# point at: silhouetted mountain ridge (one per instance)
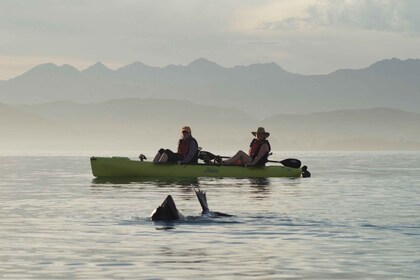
(97, 70)
(50, 69)
(203, 64)
(259, 89)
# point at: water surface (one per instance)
(357, 217)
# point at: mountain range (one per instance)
(139, 107)
(261, 90)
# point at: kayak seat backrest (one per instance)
(206, 156)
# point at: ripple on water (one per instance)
(354, 219)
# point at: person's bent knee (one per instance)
(161, 151)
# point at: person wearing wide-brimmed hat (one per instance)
(187, 150)
(258, 152)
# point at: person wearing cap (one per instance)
(258, 152)
(187, 150)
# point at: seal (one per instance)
(167, 211)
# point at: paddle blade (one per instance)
(291, 162)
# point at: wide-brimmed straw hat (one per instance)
(261, 130)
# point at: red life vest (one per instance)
(254, 149)
(184, 146)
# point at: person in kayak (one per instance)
(258, 152)
(187, 150)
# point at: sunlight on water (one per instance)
(357, 217)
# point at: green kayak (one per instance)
(125, 167)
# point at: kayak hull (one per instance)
(124, 167)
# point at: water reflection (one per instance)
(259, 182)
(165, 228)
(165, 181)
(258, 188)
(158, 181)
(198, 219)
(183, 184)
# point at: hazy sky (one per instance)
(302, 36)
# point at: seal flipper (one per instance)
(220, 214)
(201, 195)
(202, 199)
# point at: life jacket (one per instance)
(184, 148)
(254, 149)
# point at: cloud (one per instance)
(400, 16)
(154, 32)
(158, 33)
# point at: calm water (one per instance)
(357, 217)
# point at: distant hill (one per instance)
(149, 124)
(261, 90)
(28, 131)
(10, 118)
(350, 129)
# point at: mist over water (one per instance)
(357, 217)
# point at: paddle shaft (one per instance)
(276, 161)
(268, 161)
(290, 162)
